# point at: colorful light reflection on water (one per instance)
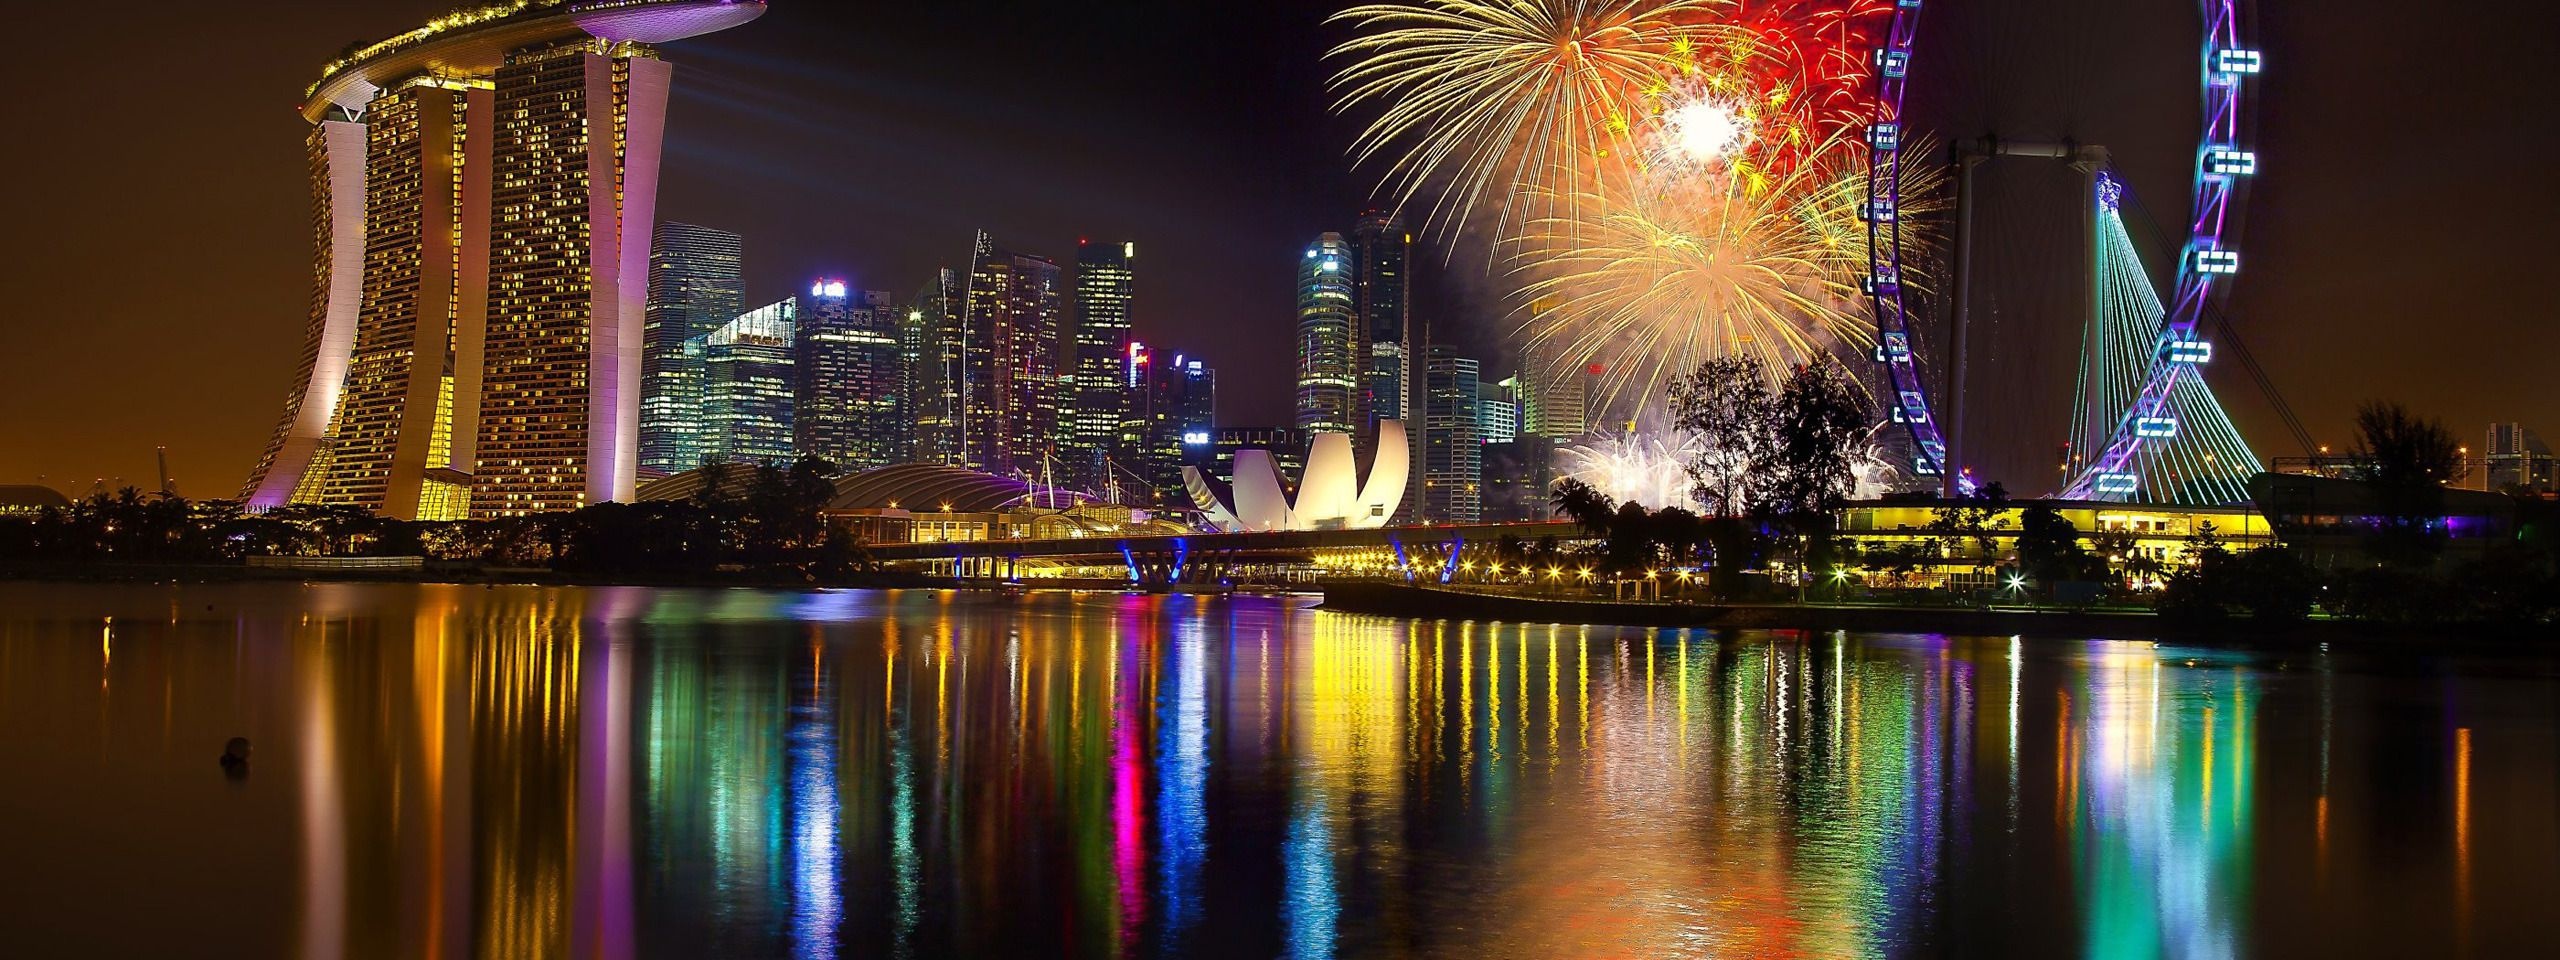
(449, 771)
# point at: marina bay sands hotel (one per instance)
(483, 195)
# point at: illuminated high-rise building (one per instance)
(931, 347)
(395, 416)
(1497, 410)
(1453, 454)
(484, 189)
(1389, 339)
(1329, 372)
(1011, 390)
(696, 283)
(849, 378)
(1128, 477)
(1288, 447)
(1104, 284)
(750, 386)
(1518, 476)
(1555, 397)
(2517, 460)
(1180, 411)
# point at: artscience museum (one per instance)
(1331, 494)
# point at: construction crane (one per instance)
(168, 487)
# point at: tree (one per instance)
(2271, 583)
(1726, 404)
(2049, 548)
(1901, 560)
(1631, 539)
(2405, 460)
(1583, 504)
(1682, 534)
(2205, 545)
(2276, 585)
(1821, 427)
(1821, 424)
(1972, 518)
(1769, 463)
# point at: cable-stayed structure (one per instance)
(2169, 440)
(2145, 425)
(2191, 453)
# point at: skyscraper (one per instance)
(1518, 475)
(1389, 340)
(1010, 394)
(2516, 459)
(1288, 446)
(1497, 411)
(933, 352)
(1129, 477)
(749, 386)
(1329, 374)
(1453, 456)
(848, 390)
(481, 257)
(1554, 397)
(696, 283)
(1181, 407)
(398, 381)
(1104, 285)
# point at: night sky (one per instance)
(158, 259)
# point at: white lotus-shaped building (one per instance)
(1331, 496)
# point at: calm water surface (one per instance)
(455, 771)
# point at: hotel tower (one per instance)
(483, 193)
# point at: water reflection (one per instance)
(448, 771)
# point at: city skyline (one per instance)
(199, 390)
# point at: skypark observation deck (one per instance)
(474, 42)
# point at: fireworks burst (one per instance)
(1505, 100)
(1664, 280)
(1650, 467)
(1662, 181)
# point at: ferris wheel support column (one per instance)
(1966, 155)
(2091, 164)
(1961, 317)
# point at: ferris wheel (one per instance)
(1883, 282)
(2153, 428)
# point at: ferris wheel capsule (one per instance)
(1885, 137)
(1893, 63)
(2227, 162)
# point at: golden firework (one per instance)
(1513, 100)
(1650, 279)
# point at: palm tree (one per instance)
(1584, 505)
